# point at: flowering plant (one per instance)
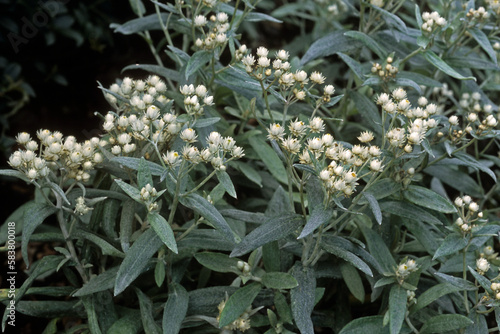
(346, 184)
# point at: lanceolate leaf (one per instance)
(318, 217)
(226, 182)
(428, 199)
(371, 325)
(353, 281)
(368, 42)
(269, 157)
(451, 244)
(197, 60)
(407, 210)
(483, 41)
(147, 316)
(274, 228)
(328, 45)
(175, 309)
(435, 60)
(207, 210)
(445, 323)
(432, 294)
(278, 280)
(34, 215)
(302, 298)
(397, 308)
(218, 262)
(238, 303)
(144, 174)
(163, 230)
(137, 259)
(374, 206)
(346, 256)
(368, 110)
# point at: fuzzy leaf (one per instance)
(397, 308)
(428, 199)
(370, 324)
(303, 297)
(238, 303)
(318, 217)
(269, 157)
(218, 262)
(279, 281)
(175, 309)
(226, 182)
(484, 42)
(163, 230)
(445, 323)
(435, 60)
(450, 245)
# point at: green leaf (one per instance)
(127, 219)
(485, 283)
(197, 60)
(407, 210)
(269, 157)
(129, 323)
(368, 42)
(332, 248)
(238, 303)
(138, 7)
(274, 228)
(282, 307)
(397, 308)
(455, 178)
(271, 256)
(372, 201)
(484, 42)
(15, 173)
(471, 62)
(428, 199)
(132, 191)
(472, 162)
(249, 172)
(163, 230)
(226, 182)
(329, 45)
(156, 69)
(353, 281)
(204, 208)
(240, 82)
(134, 164)
(101, 282)
(432, 294)
(34, 215)
(368, 110)
(445, 323)
(408, 83)
(435, 60)
(460, 283)
(89, 304)
(450, 245)
(370, 324)
(277, 280)
(353, 64)
(106, 247)
(381, 189)
(302, 298)
(150, 22)
(204, 122)
(318, 217)
(175, 309)
(147, 316)
(418, 78)
(391, 19)
(144, 174)
(378, 249)
(219, 262)
(206, 239)
(136, 259)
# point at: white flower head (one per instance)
(262, 51)
(317, 77)
(275, 131)
(188, 135)
(482, 265)
(282, 55)
(366, 137)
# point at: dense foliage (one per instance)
(302, 167)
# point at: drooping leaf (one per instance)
(445, 323)
(329, 45)
(163, 230)
(353, 281)
(269, 157)
(450, 245)
(372, 201)
(408, 210)
(218, 262)
(226, 182)
(147, 316)
(428, 199)
(197, 61)
(344, 254)
(484, 42)
(274, 228)
(318, 217)
(397, 308)
(435, 60)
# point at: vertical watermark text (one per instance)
(11, 272)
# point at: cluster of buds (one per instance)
(496, 290)
(471, 104)
(293, 85)
(404, 269)
(341, 174)
(209, 3)
(468, 212)
(213, 30)
(386, 72)
(80, 207)
(74, 160)
(216, 152)
(149, 195)
(195, 99)
(410, 297)
(333, 7)
(241, 324)
(432, 22)
(482, 266)
(479, 14)
(417, 120)
(240, 52)
(136, 95)
(244, 267)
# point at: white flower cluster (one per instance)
(137, 95)
(479, 14)
(471, 104)
(294, 85)
(74, 160)
(386, 72)
(494, 6)
(416, 120)
(405, 269)
(148, 195)
(468, 212)
(213, 30)
(489, 253)
(432, 22)
(482, 266)
(139, 117)
(216, 153)
(341, 174)
(195, 99)
(378, 3)
(81, 208)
